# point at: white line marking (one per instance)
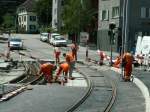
(144, 91)
(143, 88)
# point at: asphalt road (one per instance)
(129, 97)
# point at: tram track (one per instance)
(92, 87)
(29, 80)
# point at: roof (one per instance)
(29, 5)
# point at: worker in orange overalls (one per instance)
(117, 62)
(101, 57)
(63, 68)
(71, 61)
(57, 53)
(74, 49)
(47, 70)
(127, 60)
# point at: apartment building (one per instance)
(136, 19)
(27, 18)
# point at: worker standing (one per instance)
(57, 53)
(74, 49)
(71, 61)
(63, 68)
(47, 70)
(127, 64)
(101, 57)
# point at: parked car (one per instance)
(59, 41)
(15, 43)
(52, 36)
(44, 37)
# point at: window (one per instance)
(32, 18)
(19, 20)
(24, 18)
(104, 15)
(143, 12)
(32, 27)
(115, 12)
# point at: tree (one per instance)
(77, 15)
(43, 9)
(8, 20)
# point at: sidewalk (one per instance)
(92, 53)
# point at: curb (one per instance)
(143, 88)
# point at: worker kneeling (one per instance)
(127, 64)
(47, 70)
(63, 68)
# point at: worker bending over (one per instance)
(63, 68)
(117, 62)
(127, 64)
(71, 61)
(47, 70)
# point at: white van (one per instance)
(59, 41)
(44, 37)
(52, 36)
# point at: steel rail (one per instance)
(89, 91)
(114, 90)
(85, 96)
(13, 92)
(113, 97)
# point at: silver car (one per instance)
(15, 43)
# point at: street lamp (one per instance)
(112, 26)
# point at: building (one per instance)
(136, 18)
(27, 18)
(57, 6)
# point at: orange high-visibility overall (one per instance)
(101, 56)
(57, 53)
(128, 66)
(74, 48)
(117, 62)
(71, 61)
(64, 67)
(47, 70)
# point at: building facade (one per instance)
(131, 18)
(27, 18)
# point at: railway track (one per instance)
(20, 83)
(92, 89)
(92, 86)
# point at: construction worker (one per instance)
(71, 61)
(74, 49)
(63, 68)
(127, 64)
(117, 62)
(101, 57)
(57, 53)
(47, 70)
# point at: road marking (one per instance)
(144, 91)
(143, 88)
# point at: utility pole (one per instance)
(124, 31)
(112, 26)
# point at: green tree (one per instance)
(77, 15)
(8, 20)
(44, 11)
